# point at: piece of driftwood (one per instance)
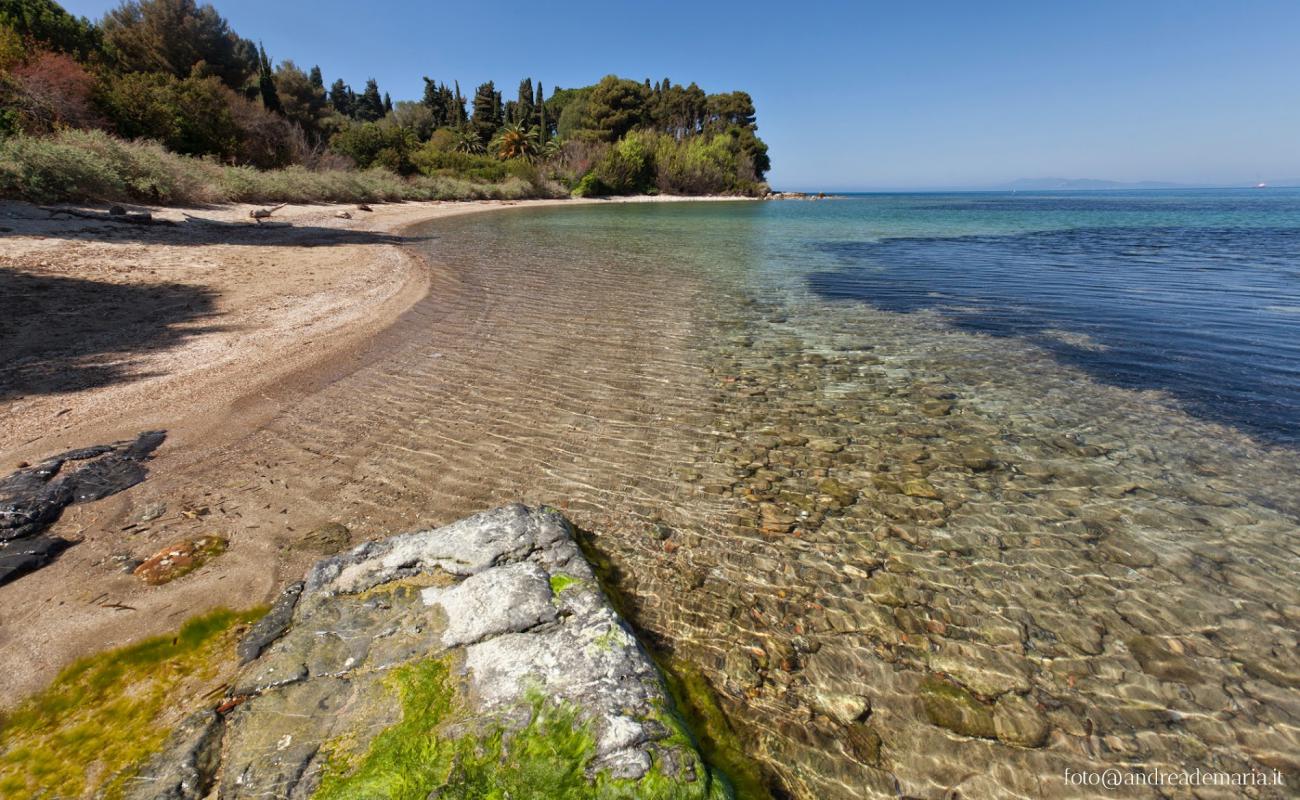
(216, 223)
(259, 214)
(133, 217)
(364, 207)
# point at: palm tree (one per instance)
(515, 141)
(550, 150)
(467, 141)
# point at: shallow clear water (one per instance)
(1193, 293)
(1017, 472)
(913, 555)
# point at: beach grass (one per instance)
(90, 165)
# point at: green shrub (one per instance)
(590, 186)
(192, 116)
(433, 160)
(627, 167)
(94, 166)
(701, 165)
(377, 144)
(46, 170)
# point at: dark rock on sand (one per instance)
(24, 555)
(33, 497)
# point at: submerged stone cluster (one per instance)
(913, 573)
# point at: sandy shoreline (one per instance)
(115, 328)
(208, 329)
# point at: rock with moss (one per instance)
(950, 706)
(479, 657)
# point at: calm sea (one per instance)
(1192, 293)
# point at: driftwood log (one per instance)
(259, 214)
(133, 217)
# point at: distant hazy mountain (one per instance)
(1051, 184)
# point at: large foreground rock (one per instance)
(430, 660)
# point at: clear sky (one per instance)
(898, 94)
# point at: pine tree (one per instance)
(388, 104)
(370, 106)
(316, 79)
(341, 97)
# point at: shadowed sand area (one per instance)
(903, 566)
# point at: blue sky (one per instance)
(872, 94)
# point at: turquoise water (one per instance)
(1016, 472)
(1195, 294)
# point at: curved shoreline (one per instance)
(210, 407)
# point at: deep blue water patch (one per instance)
(1209, 315)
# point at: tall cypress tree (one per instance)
(388, 104)
(459, 109)
(487, 111)
(543, 130)
(316, 79)
(524, 104)
(438, 98)
(266, 81)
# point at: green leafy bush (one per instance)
(191, 115)
(715, 164)
(377, 144)
(46, 170)
(628, 167)
(433, 160)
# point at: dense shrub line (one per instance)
(91, 165)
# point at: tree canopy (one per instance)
(176, 72)
(178, 37)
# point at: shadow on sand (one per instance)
(61, 334)
(198, 230)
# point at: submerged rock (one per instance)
(329, 538)
(33, 497)
(950, 706)
(179, 558)
(467, 656)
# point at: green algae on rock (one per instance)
(950, 706)
(480, 659)
(417, 758)
(103, 716)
